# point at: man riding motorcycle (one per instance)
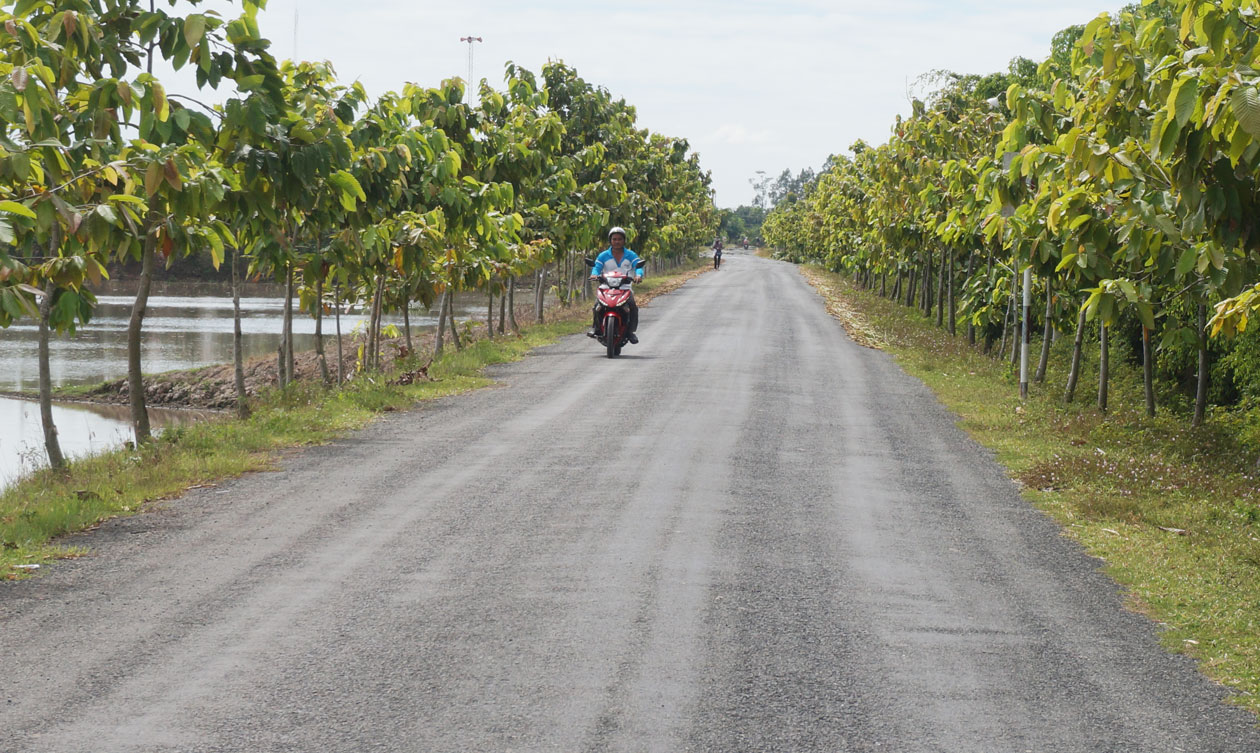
(613, 257)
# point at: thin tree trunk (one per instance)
(540, 293)
(971, 325)
(511, 296)
(135, 380)
(288, 325)
(1103, 367)
(407, 320)
(238, 356)
(440, 340)
(450, 311)
(374, 358)
(1047, 333)
(490, 313)
(925, 303)
(1006, 318)
(1148, 371)
(953, 315)
(319, 331)
(1075, 371)
(1200, 392)
(337, 319)
(941, 273)
(52, 445)
(1015, 307)
(896, 291)
(503, 302)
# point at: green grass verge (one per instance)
(1173, 511)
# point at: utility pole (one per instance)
(470, 40)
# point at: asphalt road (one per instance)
(747, 534)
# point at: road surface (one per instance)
(747, 534)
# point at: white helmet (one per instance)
(616, 230)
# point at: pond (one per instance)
(187, 325)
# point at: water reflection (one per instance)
(185, 326)
(83, 429)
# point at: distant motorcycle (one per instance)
(611, 304)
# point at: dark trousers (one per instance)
(633, 323)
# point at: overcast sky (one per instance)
(751, 84)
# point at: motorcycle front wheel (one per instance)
(612, 335)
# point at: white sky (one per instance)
(751, 84)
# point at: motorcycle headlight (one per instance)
(614, 282)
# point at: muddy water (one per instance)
(187, 325)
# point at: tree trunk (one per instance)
(896, 291)
(238, 357)
(319, 332)
(378, 303)
(925, 303)
(288, 325)
(490, 313)
(953, 315)
(883, 283)
(1103, 367)
(52, 445)
(1148, 371)
(406, 307)
(135, 380)
(1006, 318)
(337, 319)
(1075, 371)
(1047, 333)
(540, 293)
(941, 273)
(1015, 339)
(971, 325)
(911, 284)
(1200, 391)
(511, 296)
(503, 301)
(450, 311)
(440, 340)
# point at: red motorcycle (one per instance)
(613, 313)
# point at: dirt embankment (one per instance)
(213, 387)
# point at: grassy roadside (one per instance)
(1174, 512)
(46, 504)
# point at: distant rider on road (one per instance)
(717, 252)
(617, 256)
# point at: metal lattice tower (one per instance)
(470, 40)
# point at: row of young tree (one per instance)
(1115, 184)
(409, 197)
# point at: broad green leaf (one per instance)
(1245, 104)
(14, 207)
(153, 177)
(194, 29)
(1186, 262)
(1183, 98)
